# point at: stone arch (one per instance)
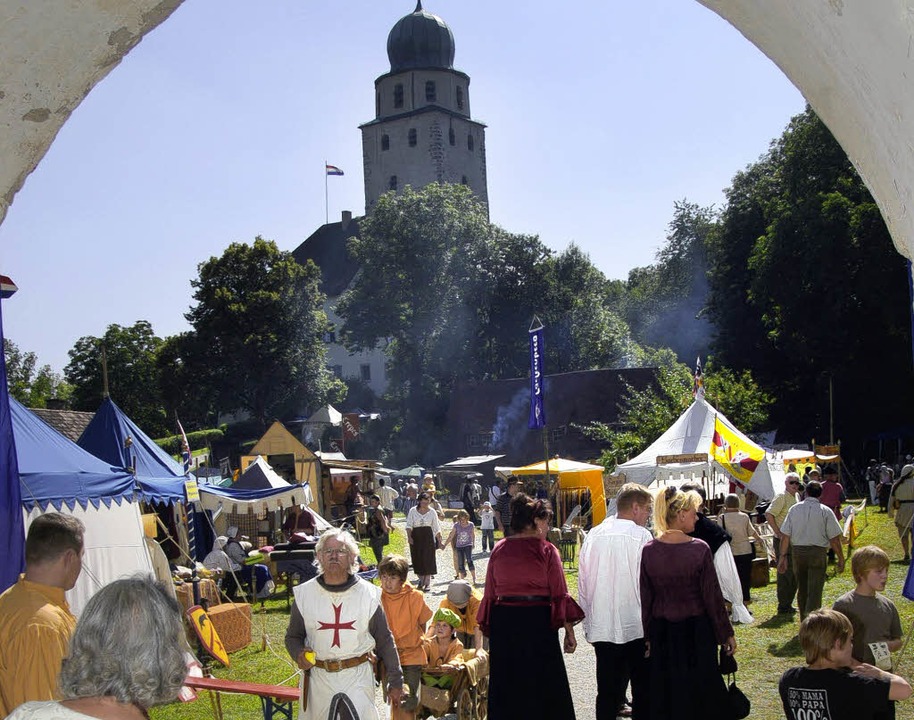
(849, 58)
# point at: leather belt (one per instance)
(509, 599)
(344, 664)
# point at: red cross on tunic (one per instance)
(336, 625)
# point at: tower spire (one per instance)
(418, 6)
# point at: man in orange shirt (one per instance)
(35, 620)
(407, 615)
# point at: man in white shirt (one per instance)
(808, 531)
(609, 574)
(387, 495)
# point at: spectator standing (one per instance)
(832, 491)
(388, 497)
(901, 507)
(832, 681)
(503, 506)
(487, 520)
(809, 530)
(609, 575)
(740, 529)
(463, 538)
(775, 515)
(35, 620)
(378, 528)
(336, 627)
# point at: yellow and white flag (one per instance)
(737, 455)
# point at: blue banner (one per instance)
(537, 378)
(12, 528)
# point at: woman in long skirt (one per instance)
(683, 615)
(423, 531)
(526, 601)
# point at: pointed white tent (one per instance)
(692, 434)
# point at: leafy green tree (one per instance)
(452, 296)
(30, 384)
(664, 303)
(133, 380)
(258, 325)
(808, 290)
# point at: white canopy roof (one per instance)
(691, 434)
(328, 415)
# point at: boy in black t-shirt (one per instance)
(832, 685)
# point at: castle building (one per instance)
(422, 133)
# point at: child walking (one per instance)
(487, 525)
(407, 615)
(463, 537)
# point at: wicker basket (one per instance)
(233, 623)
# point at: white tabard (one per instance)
(336, 624)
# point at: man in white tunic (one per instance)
(336, 624)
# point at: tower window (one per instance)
(398, 95)
(365, 372)
(431, 93)
(385, 142)
(392, 184)
(470, 143)
(464, 181)
(459, 97)
(412, 137)
(452, 136)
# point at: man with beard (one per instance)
(336, 624)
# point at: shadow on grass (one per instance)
(778, 621)
(789, 649)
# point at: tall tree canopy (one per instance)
(29, 383)
(452, 297)
(133, 379)
(807, 289)
(258, 328)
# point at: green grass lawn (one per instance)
(766, 648)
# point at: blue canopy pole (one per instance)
(12, 528)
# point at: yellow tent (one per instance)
(573, 475)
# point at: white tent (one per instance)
(692, 435)
(327, 415)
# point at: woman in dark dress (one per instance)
(526, 601)
(423, 532)
(683, 615)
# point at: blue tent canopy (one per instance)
(106, 438)
(54, 470)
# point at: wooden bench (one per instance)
(275, 700)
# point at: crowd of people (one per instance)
(653, 585)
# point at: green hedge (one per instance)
(196, 440)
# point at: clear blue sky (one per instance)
(216, 127)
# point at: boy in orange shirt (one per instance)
(407, 615)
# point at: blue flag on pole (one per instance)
(537, 396)
(12, 528)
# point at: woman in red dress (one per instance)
(526, 601)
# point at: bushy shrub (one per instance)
(196, 440)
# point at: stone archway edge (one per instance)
(849, 58)
(52, 53)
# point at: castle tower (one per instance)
(422, 132)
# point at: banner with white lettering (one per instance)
(537, 378)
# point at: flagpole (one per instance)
(326, 197)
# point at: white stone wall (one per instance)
(351, 363)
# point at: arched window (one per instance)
(412, 137)
(459, 97)
(392, 185)
(452, 136)
(431, 93)
(464, 181)
(398, 95)
(385, 142)
(470, 143)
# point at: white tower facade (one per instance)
(422, 132)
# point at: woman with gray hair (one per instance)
(125, 656)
